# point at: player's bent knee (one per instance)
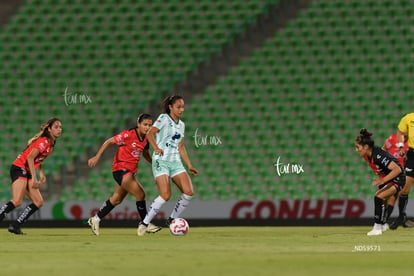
(165, 196)
(17, 203)
(189, 193)
(116, 202)
(405, 190)
(38, 203)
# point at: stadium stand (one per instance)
(303, 96)
(93, 65)
(300, 98)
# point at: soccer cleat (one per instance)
(142, 229)
(15, 229)
(94, 224)
(408, 223)
(385, 227)
(151, 228)
(374, 232)
(168, 221)
(399, 221)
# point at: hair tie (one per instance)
(44, 126)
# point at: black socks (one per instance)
(9, 206)
(402, 205)
(105, 209)
(379, 210)
(142, 208)
(27, 212)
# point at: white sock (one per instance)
(154, 209)
(97, 218)
(181, 205)
(377, 226)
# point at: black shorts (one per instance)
(409, 163)
(17, 172)
(118, 175)
(398, 182)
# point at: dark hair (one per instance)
(170, 100)
(364, 138)
(44, 130)
(143, 116)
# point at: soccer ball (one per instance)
(179, 227)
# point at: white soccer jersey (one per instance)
(168, 138)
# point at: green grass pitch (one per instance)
(207, 251)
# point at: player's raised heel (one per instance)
(94, 224)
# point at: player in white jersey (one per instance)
(166, 137)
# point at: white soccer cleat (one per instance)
(94, 224)
(141, 230)
(374, 232)
(151, 228)
(385, 227)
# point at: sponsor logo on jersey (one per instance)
(176, 136)
(136, 153)
(42, 146)
(170, 145)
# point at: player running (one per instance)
(167, 139)
(132, 144)
(392, 176)
(23, 173)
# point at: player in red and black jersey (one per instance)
(391, 146)
(392, 176)
(132, 144)
(23, 173)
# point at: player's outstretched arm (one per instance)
(94, 160)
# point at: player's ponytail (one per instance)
(44, 131)
(170, 100)
(364, 138)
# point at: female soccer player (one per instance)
(132, 144)
(23, 173)
(167, 139)
(392, 176)
(405, 128)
